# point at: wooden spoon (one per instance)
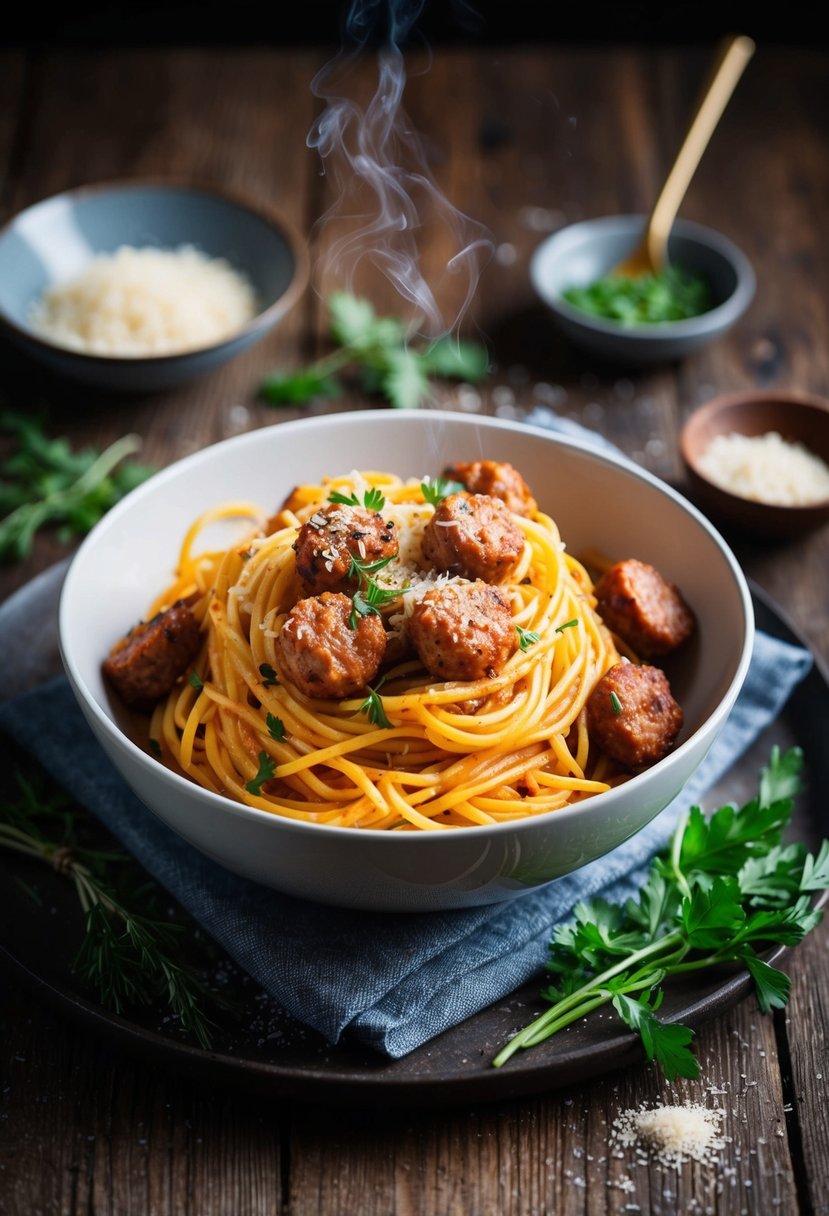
(650, 255)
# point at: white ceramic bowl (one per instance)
(598, 501)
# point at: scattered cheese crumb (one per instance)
(673, 1134)
(766, 468)
(146, 301)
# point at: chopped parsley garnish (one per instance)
(567, 625)
(527, 637)
(435, 491)
(373, 707)
(672, 295)
(154, 746)
(373, 499)
(276, 727)
(615, 703)
(269, 676)
(267, 768)
(724, 890)
(195, 681)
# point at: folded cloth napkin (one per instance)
(391, 982)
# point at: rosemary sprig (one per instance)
(127, 958)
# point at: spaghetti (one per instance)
(410, 752)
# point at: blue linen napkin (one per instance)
(391, 982)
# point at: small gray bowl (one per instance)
(581, 253)
(54, 239)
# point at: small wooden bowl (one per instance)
(797, 417)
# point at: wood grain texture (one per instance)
(520, 140)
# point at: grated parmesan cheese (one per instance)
(673, 1134)
(146, 301)
(766, 468)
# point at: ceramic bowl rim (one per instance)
(175, 782)
(690, 327)
(722, 401)
(258, 324)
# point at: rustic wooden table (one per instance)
(522, 141)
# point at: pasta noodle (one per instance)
(412, 752)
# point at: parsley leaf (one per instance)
(45, 483)
(195, 681)
(267, 768)
(527, 637)
(567, 625)
(373, 499)
(724, 890)
(276, 727)
(386, 361)
(435, 491)
(269, 676)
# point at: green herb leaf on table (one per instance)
(44, 483)
(725, 890)
(377, 350)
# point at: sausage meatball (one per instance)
(463, 631)
(333, 535)
(632, 715)
(498, 479)
(144, 665)
(322, 655)
(648, 613)
(475, 536)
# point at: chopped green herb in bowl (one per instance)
(674, 294)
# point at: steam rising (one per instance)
(386, 192)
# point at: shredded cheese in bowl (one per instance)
(766, 468)
(146, 301)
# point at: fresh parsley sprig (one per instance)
(376, 347)
(724, 891)
(527, 637)
(434, 491)
(373, 499)
(130, 959)
(43, 482)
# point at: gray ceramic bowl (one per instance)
(54, 239)
(579, 254)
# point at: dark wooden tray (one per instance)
(261, 1048)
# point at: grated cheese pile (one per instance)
(766, 468)
(673, 1134)
(147, 301)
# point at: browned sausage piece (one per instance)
(145, 664)
(475, 536)
(632, 715)
(463, 631)
(497, 478)
(648, 613)
(320, 653)
(333, 535)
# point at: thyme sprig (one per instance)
(370, 596)
(126, 957)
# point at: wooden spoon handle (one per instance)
(735, 57)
